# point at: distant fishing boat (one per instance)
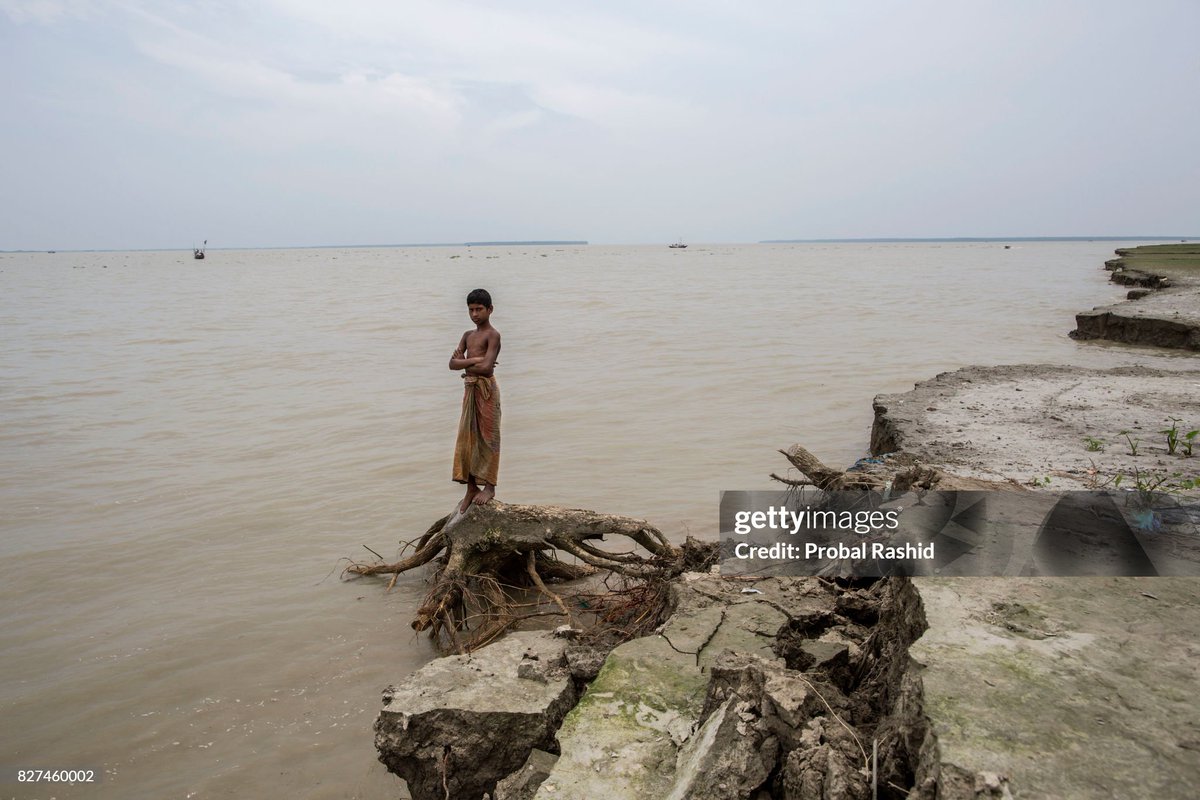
(198, 252)
(678, 245)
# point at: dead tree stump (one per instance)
(490, 550)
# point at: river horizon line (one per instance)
(585, 242)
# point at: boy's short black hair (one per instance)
(480, 297)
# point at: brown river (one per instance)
(189, 451)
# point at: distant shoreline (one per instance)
(887, 240)
(501, 244)
(581, 242)
(306, 247)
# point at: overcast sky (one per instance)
(152, 123)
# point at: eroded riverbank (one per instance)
(1164, 307)
(919, 689)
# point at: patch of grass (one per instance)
(1172, 434)
(1133, 443)
(1162, 259)
(1177, 249)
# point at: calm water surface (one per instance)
(188, 451)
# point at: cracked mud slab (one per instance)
(1166, 318)
(634, 733)
(1071, 688)
(622, 739)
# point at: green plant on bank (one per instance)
(1094, 445)
(1150, 484)
(1175, 438)
(1133, 443)
(1172, 434)
(1043, 481)
(1146, 484)
(1098, 480)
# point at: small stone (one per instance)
(584, 663)
(530, 671)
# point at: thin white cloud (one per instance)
(411, 60)
(617, 108)
(511, 123)
(515, 41)
(561, 56)
(281, 106)
(47, 12)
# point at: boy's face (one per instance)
(479, 312)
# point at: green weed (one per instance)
(1172, 434)
(1148, 484)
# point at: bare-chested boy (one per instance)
(477, 451)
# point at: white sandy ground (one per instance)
(1179, 304)
(1030, 423)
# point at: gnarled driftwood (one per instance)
(900, 472)
(491, 550)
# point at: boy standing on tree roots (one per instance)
(477, 451)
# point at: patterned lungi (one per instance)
(477, 451)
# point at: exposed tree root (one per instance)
(531, 568)
(901, 472)
(825, 477)
(492, 553)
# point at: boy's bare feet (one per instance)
(468, 498)
(484, 495)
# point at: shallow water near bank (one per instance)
(188, 448)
